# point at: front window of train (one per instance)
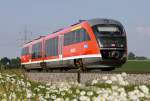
(111, 39)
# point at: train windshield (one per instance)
(107, 30)
(109, 35)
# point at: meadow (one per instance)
(135, 66)
(15, 86)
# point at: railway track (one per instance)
(89, 71)
(56, 77)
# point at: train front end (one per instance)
(112, 41)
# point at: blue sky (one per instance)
(43, 16)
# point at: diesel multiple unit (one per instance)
(88, 44)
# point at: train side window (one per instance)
(51, 47)
(25, 51)
(76, 36)
(37, 50)
(84, 36)
(69, 38)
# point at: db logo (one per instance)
(72, 50)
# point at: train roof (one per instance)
(96, 21)
(36, 39)
(92, 22)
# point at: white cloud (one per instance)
(143, 30)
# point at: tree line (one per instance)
(6, 63)
(132, 56)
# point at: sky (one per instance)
(40, 17)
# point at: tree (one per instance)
(141, 58)
(0, 65)
(5, 61)
(15, 62)
(131, 56)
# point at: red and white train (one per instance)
(89, 44)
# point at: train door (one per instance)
(60, 47)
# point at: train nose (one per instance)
(112, 54)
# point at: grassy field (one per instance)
(135, 66)
(131, 66)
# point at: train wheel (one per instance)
(108, 69)
(39, 69)
(25, 69)
(79, 64)
(44, 67)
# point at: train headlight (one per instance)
(115, 54)
(121, 45)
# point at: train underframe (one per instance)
(109, 60)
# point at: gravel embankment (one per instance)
(85, 77)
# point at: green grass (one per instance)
(13, 71)
(135, 66)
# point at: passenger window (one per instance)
(51, 47)
(25, 51)
(37, 50)
(76, 36)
